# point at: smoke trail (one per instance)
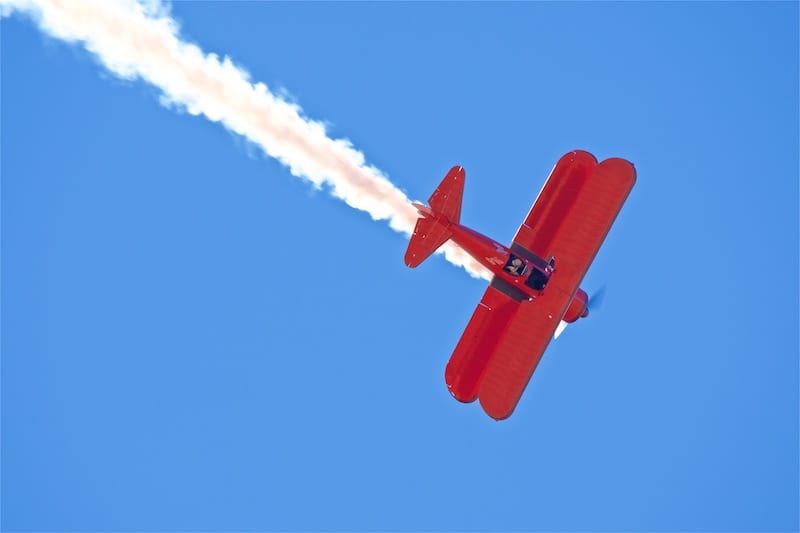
(139, 40)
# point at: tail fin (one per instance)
(446, 199)
(433, 229)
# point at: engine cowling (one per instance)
(578, 307)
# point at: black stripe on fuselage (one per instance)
(508, 289)
(527, 254)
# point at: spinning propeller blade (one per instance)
(596, 299)
(594, 303)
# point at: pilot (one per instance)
(515, 266)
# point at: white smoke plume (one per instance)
(140, 40)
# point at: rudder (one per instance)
(446, 199)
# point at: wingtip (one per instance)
(588, 157)
(620, 168)
(497, 414)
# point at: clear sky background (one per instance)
(193, 339)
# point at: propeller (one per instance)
(596, 299)
(593, 303)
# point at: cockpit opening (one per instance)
(537, 280)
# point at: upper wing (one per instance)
(506, 336)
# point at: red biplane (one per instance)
(535, 280)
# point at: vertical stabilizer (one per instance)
(446, 199)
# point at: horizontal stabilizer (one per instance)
(429, 234)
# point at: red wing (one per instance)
(584, 227)
(554, 202)
(519, 350)
(577, 216)
(471, 356)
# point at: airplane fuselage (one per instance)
(525, 273)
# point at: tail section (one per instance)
(433, 229)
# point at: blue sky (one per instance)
(194, 339)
